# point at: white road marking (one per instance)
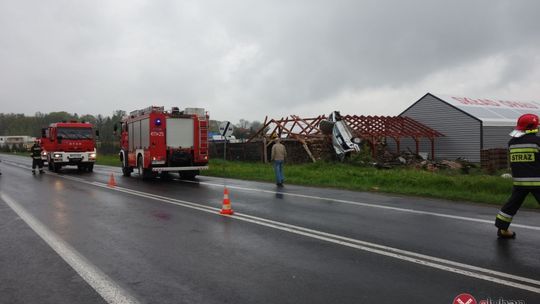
(409, 256)
(455, 217)
(110, 291)
(404, 255)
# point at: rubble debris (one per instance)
(388, 160)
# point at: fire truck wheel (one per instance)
(51, 168)
(126, 171)
(57, 167)
(90, 167)
(145, 173)
(140, 165)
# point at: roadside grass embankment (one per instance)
(108, 160)
(442, 184)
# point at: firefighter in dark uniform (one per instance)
(36, 157)
(524, 157)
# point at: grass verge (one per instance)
(442, 184)
(108, 160)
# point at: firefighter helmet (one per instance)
(527, 123)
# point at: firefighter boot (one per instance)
(33, 171)
(506, 234)
(41, 171)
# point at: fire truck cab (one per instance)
(157, 141)
(69, 143)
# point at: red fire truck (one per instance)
(69, 143)
(157, 141)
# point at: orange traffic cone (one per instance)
(226, 209)
(112, 182)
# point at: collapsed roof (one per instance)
(373, 129)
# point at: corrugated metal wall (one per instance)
(462, 132)
(496, 137)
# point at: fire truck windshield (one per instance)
(75, 133)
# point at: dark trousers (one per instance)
(504, 218)
(37, 163)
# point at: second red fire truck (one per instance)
(156, 141)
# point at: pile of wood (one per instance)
(322, 149)
(494, 159)
(388, 160)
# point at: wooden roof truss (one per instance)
(374, 129)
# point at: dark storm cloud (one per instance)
(246, 59)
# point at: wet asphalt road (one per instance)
(163, 241)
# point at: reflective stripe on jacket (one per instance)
(524, 157)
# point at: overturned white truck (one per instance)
(342, 138)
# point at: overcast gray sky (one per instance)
(252, 58)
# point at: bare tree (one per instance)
(243, 124)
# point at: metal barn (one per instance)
(469, 124)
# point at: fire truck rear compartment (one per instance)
(157, 141)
